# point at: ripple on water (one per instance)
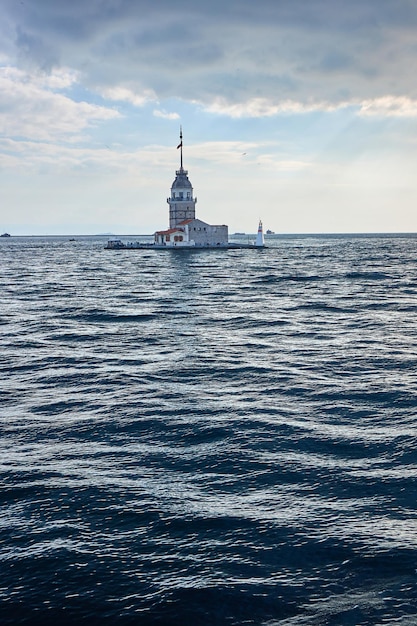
(204, 438)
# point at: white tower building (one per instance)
(184, 228)
(260, 236)
(181, 203)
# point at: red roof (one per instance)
(169, 231)
(186, 222)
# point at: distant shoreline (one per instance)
(235, 235)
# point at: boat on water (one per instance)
(5, 235)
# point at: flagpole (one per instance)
(181, 143)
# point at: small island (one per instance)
(185, 230)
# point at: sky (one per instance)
(302, 113)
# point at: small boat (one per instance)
(115, 244)
(5, 235)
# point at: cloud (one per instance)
(30, 108)
(389, 106)
(262, 107)
(124, 94)
(292, 87)
(272, 162)
(165, 115)
(43, 156)
(58, 78)
(248, 54)
(385, 106)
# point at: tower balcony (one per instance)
(182, 200)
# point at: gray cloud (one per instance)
(300, 50)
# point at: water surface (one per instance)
(209, 437)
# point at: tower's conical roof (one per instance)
(181, 180)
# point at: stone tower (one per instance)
(181, 203)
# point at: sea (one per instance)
(209, 437)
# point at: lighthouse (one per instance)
(260, 236)
(185, 230)
(181, 202)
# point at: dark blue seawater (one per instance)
(211, 437)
